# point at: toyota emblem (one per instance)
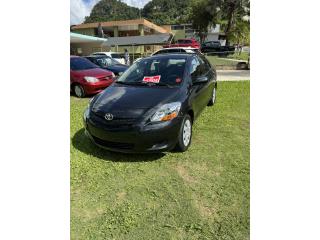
(108, 116)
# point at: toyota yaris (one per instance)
(152, 106)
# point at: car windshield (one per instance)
(155, 71)
(78, 63)
(106, 61)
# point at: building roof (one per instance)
(123, 23)
(139, 40)
(80, 38)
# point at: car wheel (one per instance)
(78, 91)
(185, 134)
(213, 98)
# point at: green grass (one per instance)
(200, 194)
(217, 61)
(243, 56)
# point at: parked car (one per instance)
(87, 78)
(152, 106)
(214, 47)
(187, 42)
(116, 56)
(174, 50)
(108, 63)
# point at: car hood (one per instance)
(117, 67)
(133, 101)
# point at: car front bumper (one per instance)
(159, 137)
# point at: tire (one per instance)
(213, 98)
(184, 138)
(78, 91)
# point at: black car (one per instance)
(108, 63)
(215, 48)
(152, 106)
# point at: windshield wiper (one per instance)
(163, 84)
(130, 83)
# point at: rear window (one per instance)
(115, 55)
(79, 63)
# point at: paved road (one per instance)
(233, 75)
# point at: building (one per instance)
(181, 30)
(82, 45)
(187, 31)
(139, 36)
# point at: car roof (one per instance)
(171, 55)
(184, 48)
(106, 52)
(186, 39)
(74, 56)
(98, 56)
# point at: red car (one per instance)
(188, 42)
(87, 78)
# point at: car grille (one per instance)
(116, 145)
(115, 123)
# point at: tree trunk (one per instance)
(230, 21)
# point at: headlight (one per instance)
(91, 79)
(167, 112)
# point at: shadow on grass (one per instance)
(81, 142)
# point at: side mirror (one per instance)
(200, 79)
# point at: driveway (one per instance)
(233, 75)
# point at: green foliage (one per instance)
(167, 11)
(157, 11)
(230, 14)
(111, 10)
(203, 14)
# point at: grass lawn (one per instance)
(217, 61)
(243, 56)
(200, 194)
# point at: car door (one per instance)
(199, 91)
(210, 74)
(207, 86)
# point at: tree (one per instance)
(233, 12)
(111, 10)
(203, 15)
(228, 13)
(167, 11)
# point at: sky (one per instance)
(81, 8)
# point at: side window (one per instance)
(108, 62)
(195, 67)
(205, 65)
(198, 67)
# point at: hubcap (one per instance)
(186, 135)
(214, 95)
(78, 91)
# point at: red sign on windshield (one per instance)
(152, 79)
